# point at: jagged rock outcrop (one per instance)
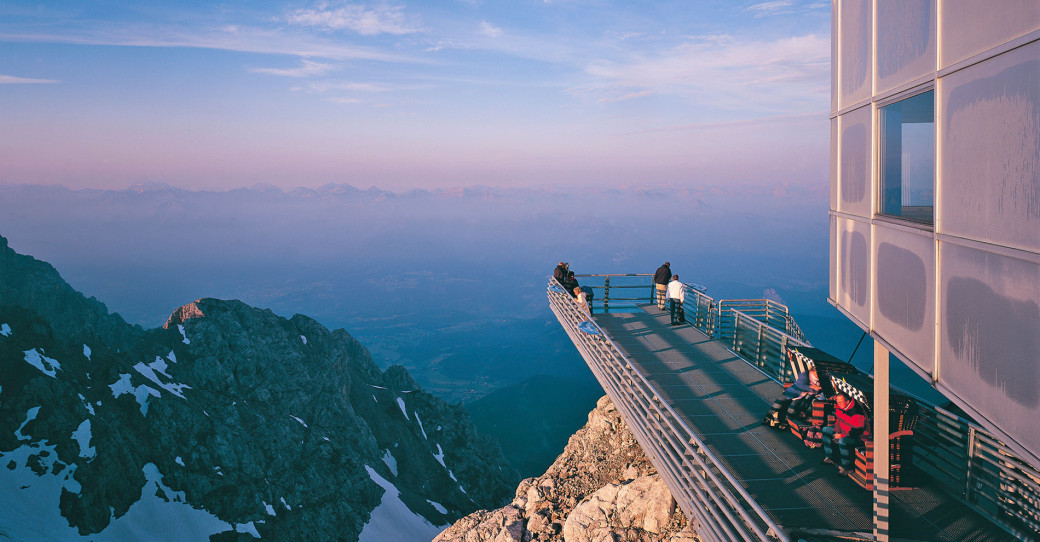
(277, 426)
(601, 488)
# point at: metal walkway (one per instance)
(721, 398)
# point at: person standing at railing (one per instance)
(676, 298)
(560, 273)
(661, 282)
(570, 283)
(582, 299)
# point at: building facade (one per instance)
(935, 196)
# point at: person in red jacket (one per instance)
(841, 439)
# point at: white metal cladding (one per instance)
(834, 164)
(855, 51)
(990, 139)
(990, 339)
(854, 170)
(904, 293)
(833, 282)
(985, 69)
(905, 42)
(853, 273)
(972, 27)
(704, 490)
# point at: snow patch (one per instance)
(421, 428)
(440, 508)
(377, 387)
(180, 327)
(159, 366)
(285, 504)
(178, 461)
(374, 399)
(30, 415)
(439, 456)
(82, 436)
(400, 403)
(5, 330)
(171, 356)
(86, 352)
(247, 528)
(326, 439)
(299, 420)
(304, 339)
(269, 509)
(392, 520)
(31, 511)
(390, 461)
(86, 404)
(141, 393)
(47, 366)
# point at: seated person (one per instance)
(796, 400)
(841, 439)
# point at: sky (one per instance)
(401, 95)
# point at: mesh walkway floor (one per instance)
(723, 399)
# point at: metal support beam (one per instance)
(881, 448)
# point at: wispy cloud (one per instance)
(307, 68)
(13, 80)
(719, 71)
(784, 7)
(490, 30)
(381, 19)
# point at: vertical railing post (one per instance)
(969, 481)
(759, 354)
(606, 295)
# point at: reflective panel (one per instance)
(904, 296)
(990, 338)
(834, 57)
(854, 268)
(971, 26)
(991, 150)
(833, 283)
(856, 58)
(905, 41)
(834, 164)
(854, 169)
(907, 133)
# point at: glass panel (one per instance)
(908, 158)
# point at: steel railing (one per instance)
(702, 487)
(970, 463)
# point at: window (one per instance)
(908, 158)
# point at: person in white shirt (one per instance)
(676, 297)
(583, 302)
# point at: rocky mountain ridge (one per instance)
(601, 488)
(254, 425)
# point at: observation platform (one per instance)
(722, 398)
(694, 396)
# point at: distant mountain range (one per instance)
(228, 422)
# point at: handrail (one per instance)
(972, 464)
(734, 513)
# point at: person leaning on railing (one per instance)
(841, 439)
(560, 273)
(676, 297)
(581, 298)
(661, 277)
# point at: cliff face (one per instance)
(602, 487)
(259, 425)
